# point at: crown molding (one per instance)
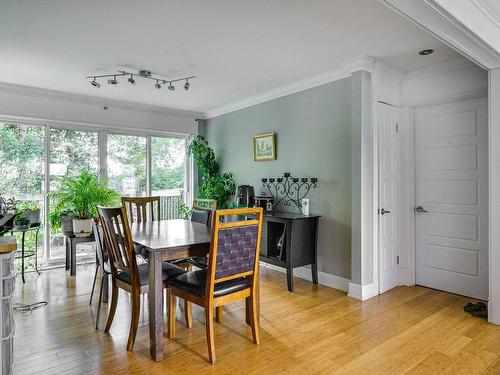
(431, 17)
(36, 92)
(438, 68)
(341, 71)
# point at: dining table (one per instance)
(160, 241)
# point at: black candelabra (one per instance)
(288, 189)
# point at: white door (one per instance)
(451, 197)
(388, 196)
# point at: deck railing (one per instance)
(169, 206)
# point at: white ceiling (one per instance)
(236, 48)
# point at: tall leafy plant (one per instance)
(79, 196)
(214, 185)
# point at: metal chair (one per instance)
(232, 273)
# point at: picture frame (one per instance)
(264, 147)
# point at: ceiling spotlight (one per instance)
(171, 87)
(186, 85)
(95, 83)
(157, 85)
(113, 81)
(425, 52)
(131, 80)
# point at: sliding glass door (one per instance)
(127, 168)
(22, 155)
(168, 173)
(70, 153)
(134, 164)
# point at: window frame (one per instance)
(102, 137)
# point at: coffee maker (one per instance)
(245, 196)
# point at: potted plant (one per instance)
(214, 185)
(21, 221)
(79, 197)
(32, 211)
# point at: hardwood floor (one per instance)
(317, 330)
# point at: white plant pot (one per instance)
(82, 228)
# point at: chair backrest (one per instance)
(118, 240)
(235, 246)
(140, 214)
(210, 204)
(202, 210)
(102, 255)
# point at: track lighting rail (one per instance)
(123, 73)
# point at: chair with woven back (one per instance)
(125, 272)
(232, 273)
(144, 208)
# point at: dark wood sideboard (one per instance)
(290, 240)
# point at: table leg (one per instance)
(289, 277)
(66, 244)
(22, 256)
(36, 250)
(72, 271)
(155, 298)
(105, 287)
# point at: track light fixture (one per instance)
(142, 74)
(113, 81)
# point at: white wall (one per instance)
(57, 107)
(442, 83)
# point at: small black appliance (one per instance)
(245, 196)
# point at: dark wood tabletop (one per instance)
(170, 236)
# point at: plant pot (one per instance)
(66, 223)
(33, 216)
(82, 228)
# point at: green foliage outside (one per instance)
(79, 196)
(214, 185)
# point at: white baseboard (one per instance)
(326, 279)
(362, 292)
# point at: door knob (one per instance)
(383, 211)
(420, 209)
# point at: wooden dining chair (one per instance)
(102, 262)
(125, 272)
(142, 209)
(202, 213)
(232, 273)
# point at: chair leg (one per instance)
(93, 285)
(134, 322)
(209, 325)
(112, 308)
(98, 315)
(171, 307)
(188, 315)
(254, 319)
(218, 314)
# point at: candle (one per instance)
(303, 179)
(280, 179)
(295, 179)
(314, 180)
(271, 180)
(286, 174)
(264, 180)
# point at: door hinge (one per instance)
(397, 259)
(397, 127)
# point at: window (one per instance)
(26, 148)
(71, 152)
(22, 155)
(127, 172)
(168, 173)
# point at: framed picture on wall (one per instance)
(264, 147)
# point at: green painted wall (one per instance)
(313, 140)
